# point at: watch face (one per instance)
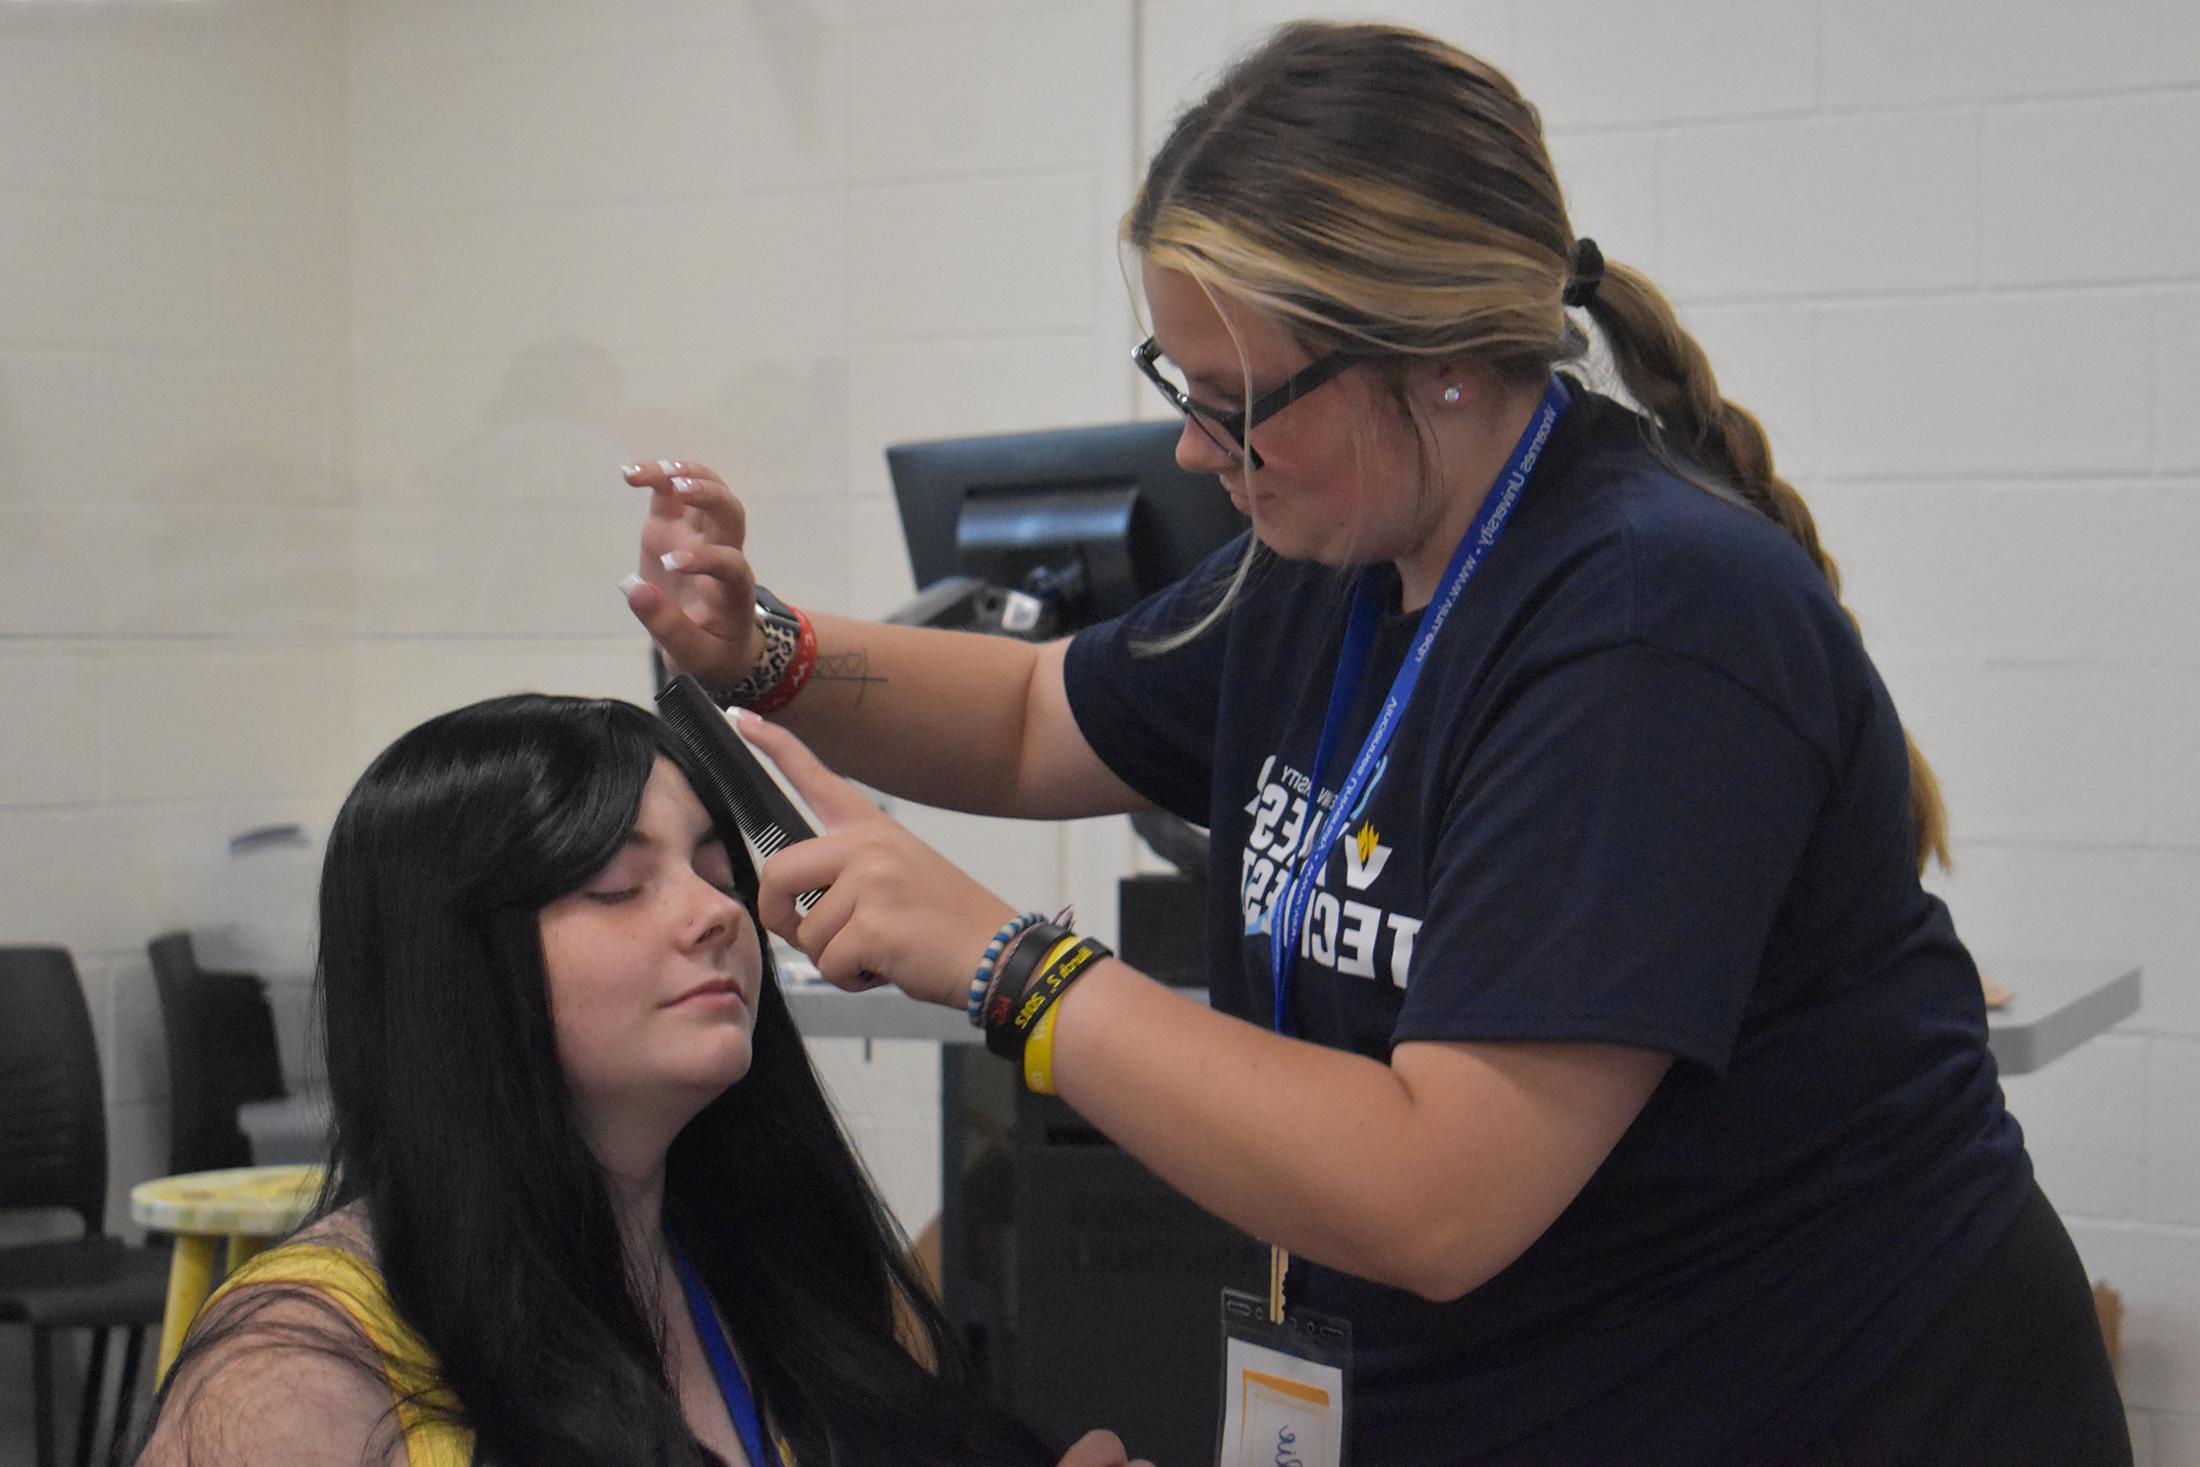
(772, 606)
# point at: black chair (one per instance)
(53, 1154)
(221, 1053)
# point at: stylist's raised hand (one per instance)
(696, 592)
(894, 908)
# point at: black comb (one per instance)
(767, 817)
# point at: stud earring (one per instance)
(1453, 393)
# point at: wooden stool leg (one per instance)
(190, 1280)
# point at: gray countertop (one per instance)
(2057, 1007)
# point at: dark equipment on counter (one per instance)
(1058, 529)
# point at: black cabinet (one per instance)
(1086, 1290)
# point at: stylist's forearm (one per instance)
(1318, 1150)
(927, 715)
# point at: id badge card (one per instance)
(1285, 1387)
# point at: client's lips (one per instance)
(715, 988)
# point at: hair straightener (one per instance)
(767, 818)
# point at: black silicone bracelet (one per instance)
(1019, 1017)
(1049, 984)
(1010, 978)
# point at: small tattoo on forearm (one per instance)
(847, 667)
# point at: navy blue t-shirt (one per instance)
(1650, 792)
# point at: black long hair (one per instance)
(491, 1218)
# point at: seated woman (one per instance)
(588, 1203)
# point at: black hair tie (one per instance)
(1586, 272)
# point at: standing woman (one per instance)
(1580, 1027)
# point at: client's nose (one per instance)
(716, 917)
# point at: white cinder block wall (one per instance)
(175, 511)
(324, 327)
(772, 238)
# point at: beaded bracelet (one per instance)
(988, 977)
(1012, 929)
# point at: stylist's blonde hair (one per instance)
(1377, 190)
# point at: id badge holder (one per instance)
(1286, 1388)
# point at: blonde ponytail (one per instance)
(1667, 373)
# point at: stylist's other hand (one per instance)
(700, 608)
(893, 909)
(1100, 1449)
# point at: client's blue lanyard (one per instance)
(740, 1401)
(1287, 921)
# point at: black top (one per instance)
(1650, 792)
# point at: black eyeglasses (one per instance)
(1228, 430)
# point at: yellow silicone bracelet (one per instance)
(1039, 1055)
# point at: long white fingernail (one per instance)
(668, 466)
(676, 560)
(685, 488)
(626, 587)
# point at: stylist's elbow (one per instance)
(1437, 1232)
(1446, 1261)
(1506, 1136)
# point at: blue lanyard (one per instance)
(1297, 897)
(740, 1402)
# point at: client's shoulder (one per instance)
(301, 1357)
(276, 1374)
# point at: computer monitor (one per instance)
(1086, 520)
